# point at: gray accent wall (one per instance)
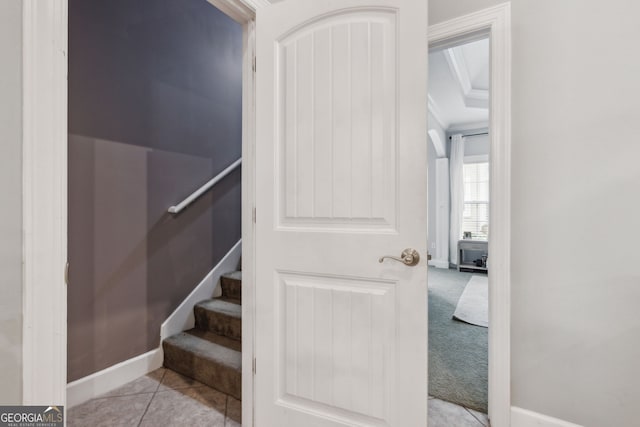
(575, 280)
(11, 212)
(155, 111)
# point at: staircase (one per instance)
(211, 352)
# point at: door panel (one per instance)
(341, 181)
(336, 333)
(337, 137)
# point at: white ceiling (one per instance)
(459, 85)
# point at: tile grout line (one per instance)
(164, 372)
(467, 410)
(474, 416)
(121, 395)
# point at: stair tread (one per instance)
(209, 346)
(234, 275)
(223, 306)
(230, 343)
(211, 352)
(231, 300)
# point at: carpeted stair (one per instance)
(211, 352)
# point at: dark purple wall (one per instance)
(155, 104)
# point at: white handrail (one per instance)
(200, 191)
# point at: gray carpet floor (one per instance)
(458, 351)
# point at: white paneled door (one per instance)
(341, 339)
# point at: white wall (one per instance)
(575, 280)
(11, 193)
(431, 230)
(442, 10)
(431, 160)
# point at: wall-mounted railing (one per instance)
(206, 187)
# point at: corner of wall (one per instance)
(101, 382)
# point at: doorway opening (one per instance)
(495, 22)
(459, 224)
(159, 117)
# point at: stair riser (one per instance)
(211, 373)
(218, 323)
(231, 288)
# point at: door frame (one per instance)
(44, 202)
(496, 22)
(44, 205)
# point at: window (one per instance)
(475, 217)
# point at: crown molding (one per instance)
(438, 143)
(436, 113)
(473, 97)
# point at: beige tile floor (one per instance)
(161, 398)
(165, 398)
(445, 414)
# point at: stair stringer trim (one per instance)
(183, 318)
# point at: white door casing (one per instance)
(341, 180)
(496, 21)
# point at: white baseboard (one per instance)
(182, 318)
(101, 382)
(439, 263)
(525, 418)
